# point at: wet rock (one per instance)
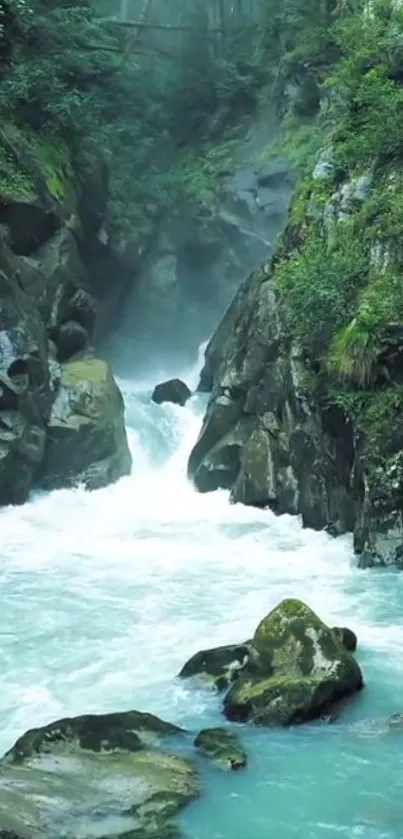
(52, 274)
(174, 390)
(71, 338)
(294, 669)
(10, 392)
(87, 440)
(81, 309)
(396, 721)
(302, 669)
(261, 437)
(347, 637)
(25, 392)
(106, 775)
(218, 667)
(223, 747)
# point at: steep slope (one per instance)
(305, 371)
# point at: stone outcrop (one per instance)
(294, 669)
(261, 437)
(61, 414)
(86, 437)
(108, 775)
(311, 433)
(174, 390)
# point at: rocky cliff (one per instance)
(61, 414)
(305, 371)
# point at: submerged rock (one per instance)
(87, 440)
(293, 670)
(223, 747)
(105, 775)
(174, 390)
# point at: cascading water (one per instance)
(106, 594)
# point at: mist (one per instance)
(217, 197)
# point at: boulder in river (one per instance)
(87, 440)
(106, 775)
(218, 667)
(174, 390)
(294, 669)
(347, 637)
(222, 747)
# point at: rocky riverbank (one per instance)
(305, 370)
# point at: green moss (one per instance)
(31, 163)
(222, 746)
(279, 625)
(199, 175)
(93, 370)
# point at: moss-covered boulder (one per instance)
(302, 668)
(222, 747)
(107, 776)
(86, 440)
(293, 670)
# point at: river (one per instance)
(106, 594)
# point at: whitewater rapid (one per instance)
(106, 594)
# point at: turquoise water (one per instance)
(106, 594)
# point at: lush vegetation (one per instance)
(340, 265)
(77, 94)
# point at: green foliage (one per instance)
(353, 353)
(201, 170)
(365, 87)
(72, 88)
(319, 287)
(376, 412)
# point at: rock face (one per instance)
(261, 438)
(174, 390)
(222, 747)
(293, 669)
(201, 253)
(86, 439)
(48, 319)
(317, 434)
(107, 775)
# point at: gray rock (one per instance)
(87, 440)
(173, 390)
(107, 775)
(71, 338)
(218, 667)
(291, 462)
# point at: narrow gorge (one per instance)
(200, 419)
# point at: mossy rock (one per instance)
(294, 668)
(222, 747)
(37, 186)
(105, 775)
(31, 162)
(86, 440)
(303, 669)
